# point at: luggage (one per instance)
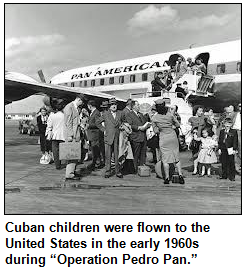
(70, 151)
(144, 171)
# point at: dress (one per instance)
(168, 141)
(207, 154)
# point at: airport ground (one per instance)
(32, 188)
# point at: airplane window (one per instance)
(221, 68)
(111, 80)
(93, 82)
(239, 67)
(72, 84)
(85, 83)
(65, 84)
(132, 78)
(101, 81)
(144, 77)
(121, 79)
(80, 84)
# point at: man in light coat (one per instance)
(72, 131)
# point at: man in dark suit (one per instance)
(157, 85)
(127, 109)
(93, 133)
(112, 120)
(228, 146)
(138, 139)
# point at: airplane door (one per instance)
(204, 57)
(174, 58)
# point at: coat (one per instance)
(230, 141)
(41, 125)
(111, 126)
(71, 122)
(135, 122)
(55, 126)
(92, 129)
(125, 112)
(182, 68)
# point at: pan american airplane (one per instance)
(132, 78)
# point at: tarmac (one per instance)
(32, 188)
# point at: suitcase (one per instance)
(143, 171)
(70, 151)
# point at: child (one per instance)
(207, 154)
(194, 147)
(228, 146)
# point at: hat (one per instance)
(160, 101)
(104, 104)
(112, 101)
(129, 101)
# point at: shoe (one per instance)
(75, 178)
(209, 175)
(106, 176)
(166, 181)
(119, 175)
(194, 173)
(181, 179)
(100, 166)
(232, 179)
(77, 174)
(221, 177)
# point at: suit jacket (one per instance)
(157, 85)
(41, 126)
(93, 130)
(230, 141)
(135, 122)
(125, 112)
(111, 126)
(71, 122)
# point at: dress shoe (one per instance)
(181, 179)
(75, 178)
(119, 175)
(232, 179)
(106, 176)
(166, 181)
(221, 178)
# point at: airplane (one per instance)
(128, 78)
(18, 86)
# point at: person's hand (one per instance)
(70, 139)
(219, 152)
(140, 128)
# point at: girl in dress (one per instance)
(207, 154)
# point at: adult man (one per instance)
(104, 107)
(127, 109)
(167, 80)
(72, 131)
(157, 85)
(138, 136)
(93, 133)
(112, 119)
(180, 68)
(190, 62)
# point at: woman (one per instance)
(55, 132)
(163, 123)
(198, 120)
(44, 144)
(210, 121)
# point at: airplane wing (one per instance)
(16, 89)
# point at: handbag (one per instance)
(70, 151)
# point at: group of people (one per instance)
(223, 138)
(117, 136)
(164, 80)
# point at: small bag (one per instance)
(70, 151)
(144, 171)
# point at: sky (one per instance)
(58, 37)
